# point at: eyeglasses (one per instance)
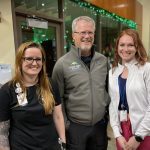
(84, 33)
(30, 60)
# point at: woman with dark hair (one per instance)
(129, 89)
(30, 109)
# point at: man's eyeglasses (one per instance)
(84, 33)
(30, 60)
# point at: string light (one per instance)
(85, 5)
(104, 12)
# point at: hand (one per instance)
(122, 142)
(62, 144)
(4, 148)
(132, 144)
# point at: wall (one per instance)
(7, 47)
(139, 17)
(146, 24)
(130, 9)
(124, 8)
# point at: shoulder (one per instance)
(65, 60)
(115, 71)
(6, 101)
(6, 93)
(62, 59)
(145, 67)
(111, 72)
(6, 87)
(101, 57)
(97, 54)
(68, 54)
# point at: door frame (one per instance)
(59, 43)
(58, 23)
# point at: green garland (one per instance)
(101, 11)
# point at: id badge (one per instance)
(123, 115)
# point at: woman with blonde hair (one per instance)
(30, 108)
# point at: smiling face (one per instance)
(31, 62)
(84, 35)
(126, 48)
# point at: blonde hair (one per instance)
(44, 89)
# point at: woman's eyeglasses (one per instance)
(30, 60)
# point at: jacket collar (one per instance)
(128, 64)
(77, 50)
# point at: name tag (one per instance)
(123, 115)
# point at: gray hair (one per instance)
(85, 18)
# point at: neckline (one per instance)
(122, 77)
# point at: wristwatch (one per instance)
(138, 138)
(62, 144)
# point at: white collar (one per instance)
(129, 64)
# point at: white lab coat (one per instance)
(138, 97)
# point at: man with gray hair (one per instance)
(81, 75)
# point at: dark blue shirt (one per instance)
(123, 104)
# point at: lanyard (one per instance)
(123, 105)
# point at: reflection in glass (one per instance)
(43, 7)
